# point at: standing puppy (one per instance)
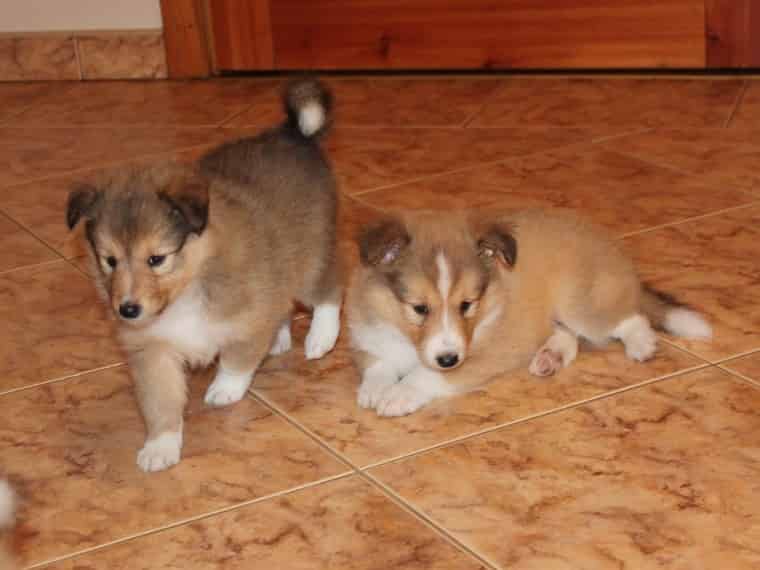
(197, 263)
(443, 303)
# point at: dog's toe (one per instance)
(160, 453)
(400, 400)
(545, 363)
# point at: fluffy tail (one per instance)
(666, 313)
(7, 505)
(308, 104)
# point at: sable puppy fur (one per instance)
(443, 302)
(202, 261)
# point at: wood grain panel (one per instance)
(434, 34)
(242, 34)
(733, 33)
(185, 38)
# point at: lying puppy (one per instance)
(7, 520)
(196, 264)
(444, 302)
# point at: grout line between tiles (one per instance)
(61, 378)
(538, 415)
(190, 520)
(606, 138)
(740, 376)
(264, 401)
(751, 204)
(652, 162)
(235, 115)
(737, 104)
(727, 359)
(427, 520)
(360, 473)
(32, 265)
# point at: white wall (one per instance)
(74, 15)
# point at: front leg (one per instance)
(376, 379)
(160, 384)
(415, 390)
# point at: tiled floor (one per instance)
(609, 465)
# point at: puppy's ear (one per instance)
(82, 203)
(497, 242)
(188, 196)
(382, 243)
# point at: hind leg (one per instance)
(557, 352)
(637, 335)
(325, 323)
(282, 340)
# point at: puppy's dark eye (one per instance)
(465, 306)
(421, 309)
(156, 260)
(111, 261)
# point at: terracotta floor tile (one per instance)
(17, 97)
(617, 191)
(749, 366)
(19, 248)
(28, 154)
(400, 102)
(710, 264)
(369, 158)
(620, 102)
(53, 325)
(663, 477)
(726, 157)
(151, 103)
(344, 524)
(321, 395)
(71, 447)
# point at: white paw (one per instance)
(324, 330)
(282, 342)
(227, 388)
(545, 363)
(161, 452)
(372, 390)
(641, 346)
(401, 399)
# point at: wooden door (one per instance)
(266, 35)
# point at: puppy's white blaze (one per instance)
(386, 343)
(444, 276)
(7, 504)
(311, 118)
(448, 339)
(686, 323)
(161, 452)
(485, 323)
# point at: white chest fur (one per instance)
(185, 324)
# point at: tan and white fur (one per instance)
(200, 262)
(442, 303)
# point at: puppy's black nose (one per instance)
(130, 310)
(448, 360)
